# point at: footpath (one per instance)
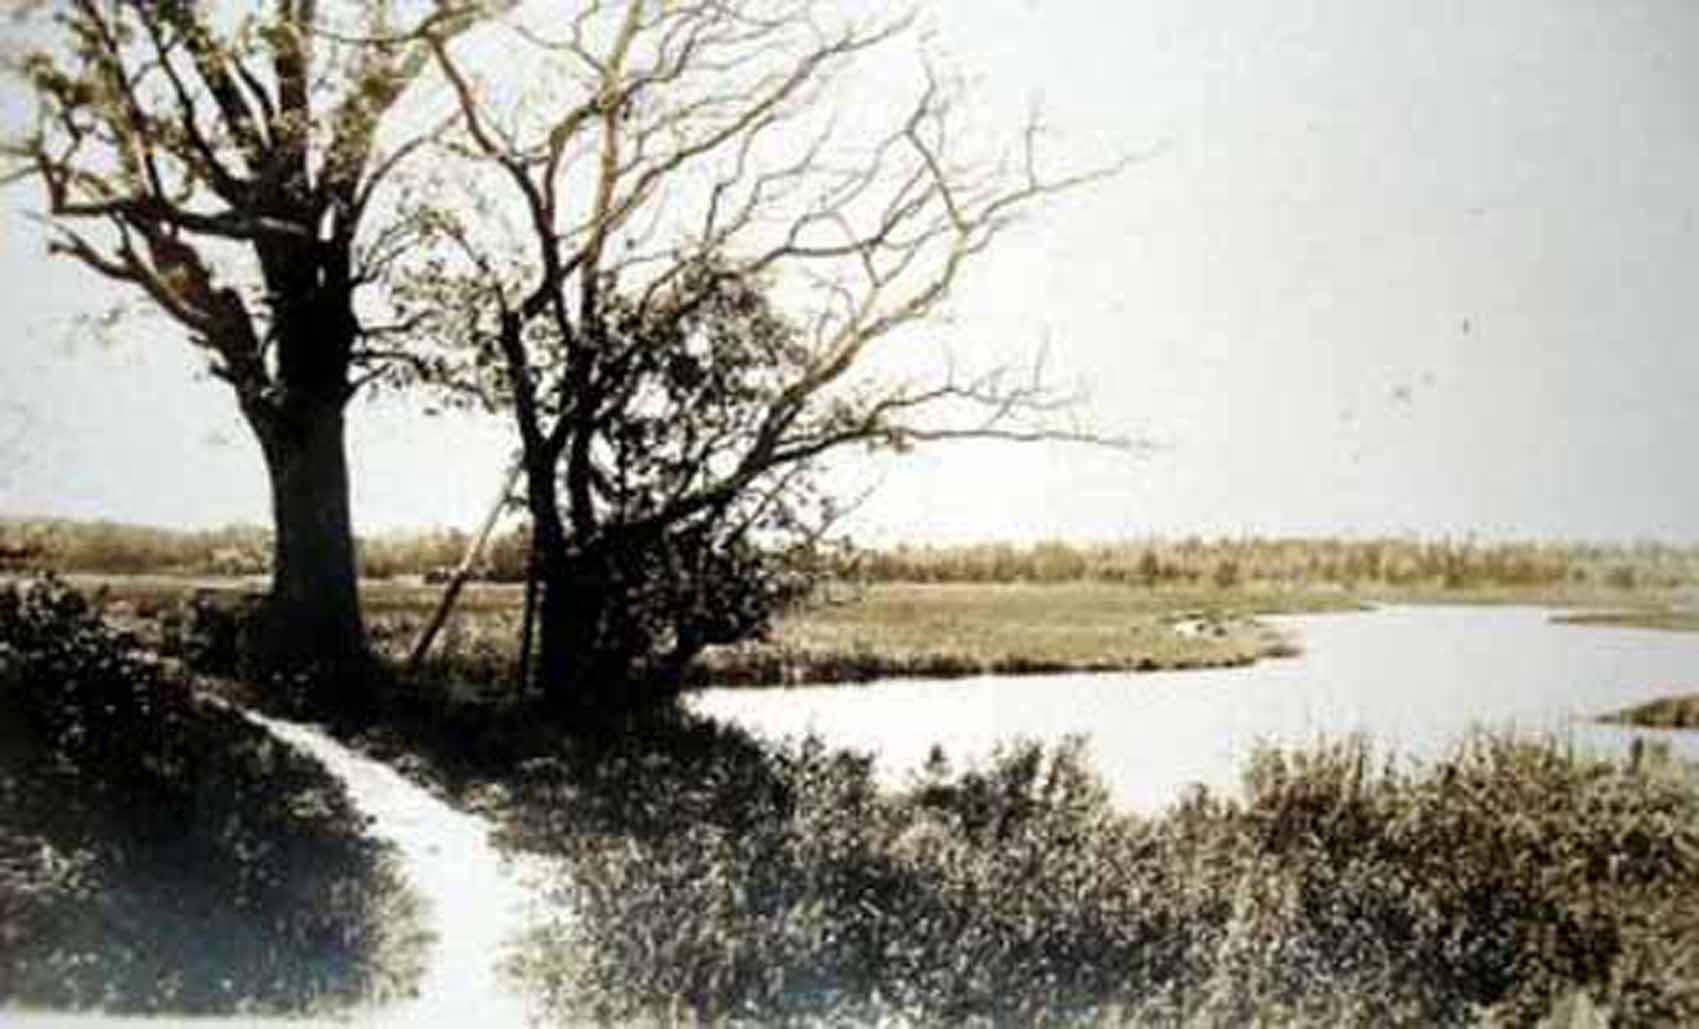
(477, 905)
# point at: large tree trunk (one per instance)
(593, 676)
(313, 615)
(575, 682)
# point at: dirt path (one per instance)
(477, 904)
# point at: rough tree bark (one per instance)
(314, 608)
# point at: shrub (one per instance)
(161, 853)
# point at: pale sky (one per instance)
(1389, 267)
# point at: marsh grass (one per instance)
(947, 630)
(161, 853)
(717, 879)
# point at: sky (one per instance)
(1381, 268)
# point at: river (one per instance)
(1415, 680)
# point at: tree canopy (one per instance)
(666, 238)
(676, 253)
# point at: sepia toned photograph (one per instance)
(840, 513)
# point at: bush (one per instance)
(161, 853)
(723, 879)
(220, 628)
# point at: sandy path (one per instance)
(477, 904)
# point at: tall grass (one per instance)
(718, 879)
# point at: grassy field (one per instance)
(149, 592)
(967, 629)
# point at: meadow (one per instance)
(849, 633)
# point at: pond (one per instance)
(1415, 680)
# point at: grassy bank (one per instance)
(712, 878)
(858, 634)
(160, 853)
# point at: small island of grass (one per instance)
(1662, 618)
(1675, 712)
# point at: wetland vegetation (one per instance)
(711, 875)
(715, 877)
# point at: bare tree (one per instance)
(222, 161)
(711, 248)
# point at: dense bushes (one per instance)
(723, 879)
(161, 853)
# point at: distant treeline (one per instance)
(73, 546)
(1226, 563)
(77, 546)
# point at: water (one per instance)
(1415, 680)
